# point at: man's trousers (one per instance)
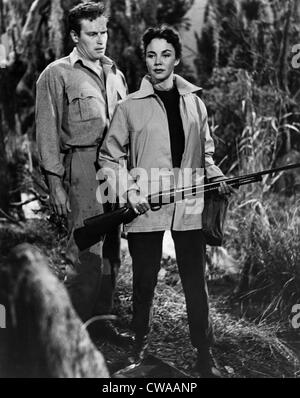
(91, 273)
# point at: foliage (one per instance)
(264, 234)
(245, 56)
(238, 104)
(249, 34)
(263, 228)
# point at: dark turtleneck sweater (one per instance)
(170, 100)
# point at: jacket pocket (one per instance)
(84, 104)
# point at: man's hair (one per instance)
(89, 10)
(162, 32)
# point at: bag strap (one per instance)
(202, 138)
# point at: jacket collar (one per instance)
(146, 88)
(105, 61)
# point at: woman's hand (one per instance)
(138, 202)
(224, 189)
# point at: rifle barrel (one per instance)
(182, 193)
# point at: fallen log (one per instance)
(43, 336)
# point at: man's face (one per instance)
(160, 59)
(92, 41)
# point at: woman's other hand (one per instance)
(224, 188)
(138, 202)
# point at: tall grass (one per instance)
(267, 242)
(263, 228)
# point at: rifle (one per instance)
(96, 227)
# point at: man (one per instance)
(76, 97)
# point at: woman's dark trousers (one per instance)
(146, 252)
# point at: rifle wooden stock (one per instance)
(96, 227)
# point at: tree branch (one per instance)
(9, 218)
(30, 23)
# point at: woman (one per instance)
(156, 133)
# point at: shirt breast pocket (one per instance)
(85, 104)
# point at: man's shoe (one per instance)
(206, 366)
(139, 351)
(107, 331)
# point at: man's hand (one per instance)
(138, 202)
(224, 189)
(58, 197)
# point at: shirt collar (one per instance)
(105, 61)
(183, 86)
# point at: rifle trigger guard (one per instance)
(155, 207)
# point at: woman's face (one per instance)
(160, 59)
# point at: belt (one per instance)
(79, 149)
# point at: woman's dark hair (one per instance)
(162, 32)
(89, 10)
